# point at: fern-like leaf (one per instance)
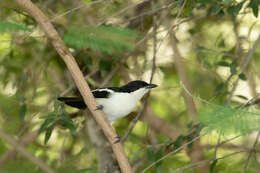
(9, 26)
(228, 120)
(102, 38)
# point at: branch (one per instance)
(79, 80)
(196, 154)
(24, 140)
(140, 113)
(244, 66)
(25, 153)
(106, 160)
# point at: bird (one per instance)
(115, 102)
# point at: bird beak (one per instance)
(151, 86)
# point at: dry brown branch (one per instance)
(78, 77)
(20, 148)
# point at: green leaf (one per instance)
(189, 139)
(242, 76)
(234, 10)
(214, 9)
(213, 166)
(223, 63)
(105, 39)
(116, 80)
(254, 6)
(22, 111)
(227, 120)
(45, 124)
(68, 123)
(88, 61)
(150, 154)
(219, 88)
(49, 116)
(57, 105)
(9, 26)
(233, 68)
(48, 133)
(177, 143)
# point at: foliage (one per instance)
(57, 117)
(213, 37)
(6, 26)
(227, 120)
(105, 39)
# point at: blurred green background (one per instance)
(203, 54)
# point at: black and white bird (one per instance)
(116, 102)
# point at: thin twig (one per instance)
(250, 153)
(24, 152)
(121, 12)
(174, 25)
(197, 164)
(244, 66)
(149, 13)
(151, 78)
(172, 152)
(76, 8)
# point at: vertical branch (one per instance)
(181, 68)
(196, 153)
(244, 66)
(78, 77)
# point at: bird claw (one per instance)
(118, 139)
(99, 107)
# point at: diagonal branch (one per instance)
(79, 80)
(29, 138)
(25, 153)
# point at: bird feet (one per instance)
(99, 107)
(118, 139)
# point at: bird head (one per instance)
(138, 88)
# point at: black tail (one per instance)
(76, 102)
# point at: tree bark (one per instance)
(107, 162)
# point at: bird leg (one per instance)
(118, 139)
(99, 107)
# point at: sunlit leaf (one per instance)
(48, 133)
(45, 124)
(6, 26)
(68, 123)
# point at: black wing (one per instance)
(100, 94)
(78, 102)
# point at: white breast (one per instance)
(119, 105)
